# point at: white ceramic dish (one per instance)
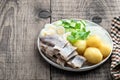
(94, 28)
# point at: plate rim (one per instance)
(72, 69)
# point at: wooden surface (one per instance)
(20, 23)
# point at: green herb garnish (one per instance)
(77, 29)
(77, 36)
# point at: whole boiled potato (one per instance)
(81, 46)
(105, 49)
(93, 55)
(93, 41)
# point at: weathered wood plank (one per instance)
(19, 28)
(99, 11)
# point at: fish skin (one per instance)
(61, 51)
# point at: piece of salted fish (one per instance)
(66, 52)
(53, 40)
(53, 58)
(77, 61)
(48, 50)
(74, 53)
(60, 61)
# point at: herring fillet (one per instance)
(60, 51)
(67, 52)
(54, 40)
(77, 61)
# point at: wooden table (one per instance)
(20, 24)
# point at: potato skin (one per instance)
(94, 41)
(105, 49)
(81, 46)
(93, 55)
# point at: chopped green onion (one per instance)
(77, 29)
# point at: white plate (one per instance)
(95, 29)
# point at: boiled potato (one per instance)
(105, 50)
(93, 55)
(94, 41)
(81, 46)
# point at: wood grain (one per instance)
(19, 28)
(99, 11)
(20, 23)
